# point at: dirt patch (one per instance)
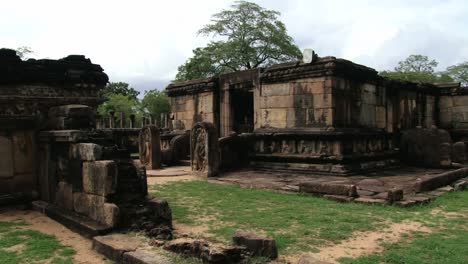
(197, 230)
(365, 243)
(43, 224)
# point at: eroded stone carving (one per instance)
(204, 149)
(150, 147)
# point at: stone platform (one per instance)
(404, 186)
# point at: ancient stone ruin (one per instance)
(326, 124)
(52, 151)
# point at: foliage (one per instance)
(34, 247)
(119, 103)
(459, 72)
(251, 36)
(23, 52)
(297, 222)
(155, 102)
(417, 68)
(121, 88)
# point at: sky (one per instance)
(143, 42)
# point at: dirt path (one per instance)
(368, 242)
(43, 224)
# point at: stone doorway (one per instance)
(242, 103)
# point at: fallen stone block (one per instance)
(445, 189)
(203, 250)
(390, 195)
(459, 152)
(370, 200)
(305, 259)
(460, 185)
(325, 188)
(114, 246)
(160, 210)
(100, 177)
(85, 151)
(257, 245)
(338, 198)
(140, 256)
(440, 180)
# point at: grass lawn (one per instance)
(21, 245)
(302, 223)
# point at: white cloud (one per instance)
(145, 41)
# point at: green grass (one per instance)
(298, 222)
(21, 245)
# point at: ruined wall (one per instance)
(299, 103)
(453, 111)
(191, 108)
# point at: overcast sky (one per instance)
(143, 42)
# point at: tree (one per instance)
(459, 72)
(155, 103)
(23, 52)
(119, 103)
(251, 37)
(121, 88)
(417, 68)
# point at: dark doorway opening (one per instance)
(242, 106)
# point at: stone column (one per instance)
(204, 149)
(111, 119)
(150, 147)
(132, 121)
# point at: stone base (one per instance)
(327, 168)
(78, 223)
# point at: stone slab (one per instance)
(145, 257)
(100, 177)
(324, 188)
(85, 151)
(115, 245)
(257, 245)
(85, 226)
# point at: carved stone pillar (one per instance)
(204, 149)
(150, 147)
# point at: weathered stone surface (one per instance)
(460, 185)
(370, 200)
(141, 256)
(85, 151)
(110, 214)
(114, 246)
(203, 250)
(70, 117)
(390, 195)
(324, 188)
(339, 198)
(162, 233)
(440, 180)
(426, 147)
(204, 149)
(160, 209)
(150, 147)
(459, 152)
(64, 195)
(100, 177)
(95, 207)
(257, 245)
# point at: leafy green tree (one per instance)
(417, 68)
(121, 88)
(250, 37)
(23, 52)
(155, 102)
(459, 72)
(119, 103)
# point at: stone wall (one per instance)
(453, 111)
(192, 108)
(300, 103)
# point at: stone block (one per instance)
(257, 245)
(114, 246)
(85, 151)
(275, 89)
(207, 252)
(338, 198)
(460, 100)
(70, 117)
(141, 256)
(100, 177)
(160, 210)
(110, 214)
(459, 152)
(6, 162)
(285, 101)
(64, 196)
(445, 102)
(326, 188)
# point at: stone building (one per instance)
(329, 116)
(51, 150)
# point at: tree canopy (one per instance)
(155, 103)
(417, 68)
(249, 36)
(23, 52)
(459, 72)
(121, 88)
